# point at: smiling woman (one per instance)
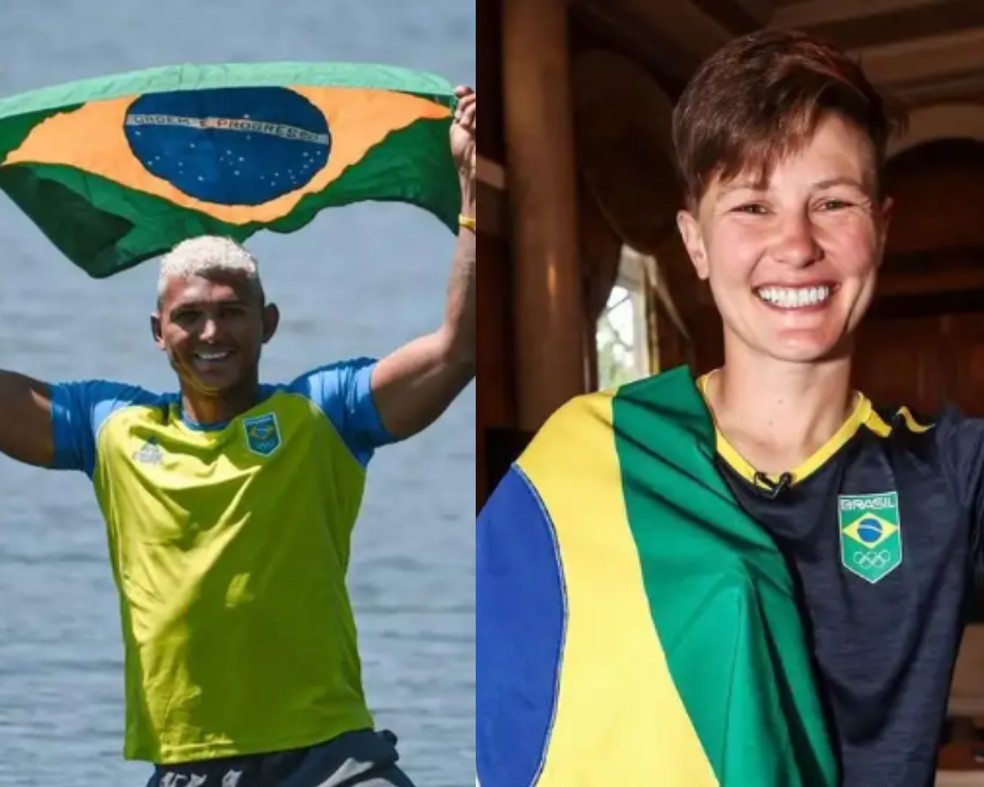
(792, 261)
(762, 543)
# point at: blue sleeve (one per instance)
(343, 392)
(78, 410)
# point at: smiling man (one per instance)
(800, 494)
(230, 507)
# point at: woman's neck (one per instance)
(777, 415)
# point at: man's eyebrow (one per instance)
(200, 304)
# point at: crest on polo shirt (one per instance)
(262, 434)
(870, 534)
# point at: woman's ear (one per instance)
(693, 239)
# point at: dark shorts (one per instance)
(356, 759)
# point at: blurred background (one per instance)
(358, 281)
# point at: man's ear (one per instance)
(271, 319)
(155, 329)
(693, 239)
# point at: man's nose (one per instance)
(210, 329)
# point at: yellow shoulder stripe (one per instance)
(911, 423)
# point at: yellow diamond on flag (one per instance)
(870, 530)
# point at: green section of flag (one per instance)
(720, 595)
(38, 103)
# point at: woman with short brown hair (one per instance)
(781, 142)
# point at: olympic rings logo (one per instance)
(872, 559)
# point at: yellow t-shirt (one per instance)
(229, 545)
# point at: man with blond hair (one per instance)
(230, 506)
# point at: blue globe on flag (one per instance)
(230, 146)
(870, 530)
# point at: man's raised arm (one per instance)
(26, 433)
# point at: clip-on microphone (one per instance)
(772, 489)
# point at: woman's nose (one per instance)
(796, 244)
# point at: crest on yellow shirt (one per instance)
(262, 434)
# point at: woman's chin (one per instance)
(808, 349)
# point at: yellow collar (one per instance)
(861, 414)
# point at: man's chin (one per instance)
(215, 386)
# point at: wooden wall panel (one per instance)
(496, 404)
(899, 362)
(937, 188)
(963, 339)
(491, 139)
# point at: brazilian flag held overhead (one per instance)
(634, 625)
(118, 169)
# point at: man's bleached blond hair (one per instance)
(205, 256)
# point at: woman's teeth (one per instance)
(212, 356)
(794, 297)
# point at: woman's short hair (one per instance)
(760, 98)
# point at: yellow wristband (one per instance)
(467, 221)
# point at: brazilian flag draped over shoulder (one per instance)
(118, 169)
(634, 625)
